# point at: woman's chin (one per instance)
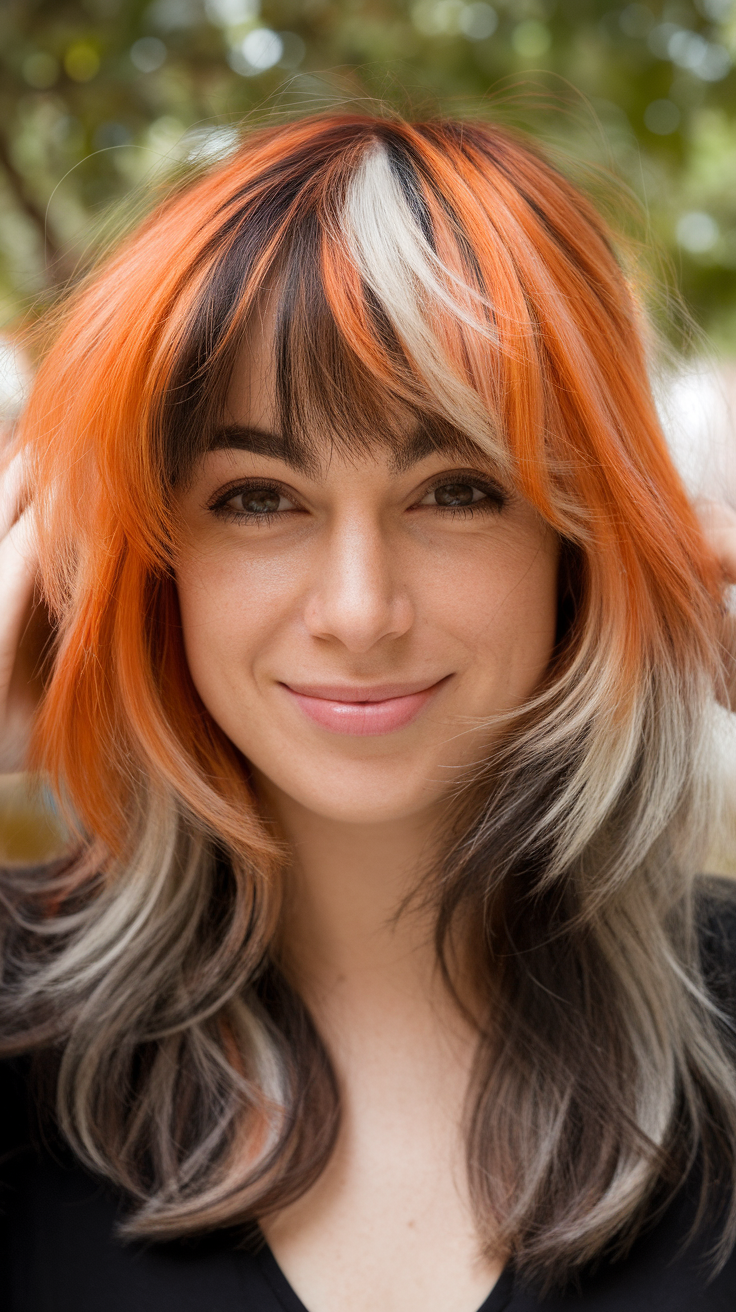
(344, 800)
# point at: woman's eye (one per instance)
(258, 502)
(454, 495)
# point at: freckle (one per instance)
(410, 1224)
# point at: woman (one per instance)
(382, 697)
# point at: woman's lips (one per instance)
(362, 710)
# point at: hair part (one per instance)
(443, 271)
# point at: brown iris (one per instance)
(454, 494)
(264, 501)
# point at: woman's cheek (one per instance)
(499, 601)
(232, 613)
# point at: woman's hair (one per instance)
(442, 270)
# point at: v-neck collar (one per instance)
(497, 1301)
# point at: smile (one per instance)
(363, 710)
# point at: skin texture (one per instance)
(363, 586)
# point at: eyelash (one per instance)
(495, 498)
(219, 505)
(495, 501)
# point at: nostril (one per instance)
(358, 621)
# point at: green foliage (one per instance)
(103, 99)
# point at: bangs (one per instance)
(380, 330)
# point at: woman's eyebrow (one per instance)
(259, 442)
(425, 442)
(415, 448)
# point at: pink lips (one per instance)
(362, 710)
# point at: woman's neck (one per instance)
(394, 1193)
(343, 926)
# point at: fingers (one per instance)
(719, 525)
(724, 548)
(718, 521)
(18, 569)
(13, 483)
(18, 572)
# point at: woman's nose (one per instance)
(359, 596)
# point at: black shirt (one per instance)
(59, 1251)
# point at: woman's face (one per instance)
(354, 626)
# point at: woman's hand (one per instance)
(19, 663)
(719, 525)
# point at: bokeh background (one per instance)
(102, 102)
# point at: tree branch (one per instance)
(55, 261)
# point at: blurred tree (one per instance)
(101, 98)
